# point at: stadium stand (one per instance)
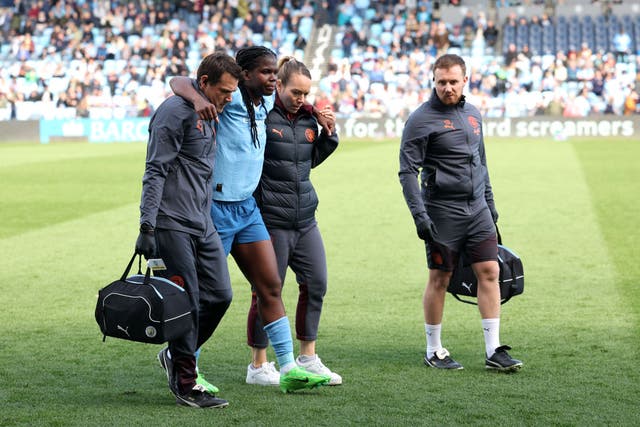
(113, 59)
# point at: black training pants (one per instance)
(200, 265)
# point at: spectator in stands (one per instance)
(468, 21)
(4, 101)
(560, 72)
(25, 47)
(491, 34)
(349, 40)
(622, 45)
(332, 10)
(322, 101)
(440, 38)
(346, 11)
(585, 103)
(456, 38)
(631, 103)
(58, 38)
(82, 108)
(556, 105)
(468, 38)
(511, 55)
(145, 109)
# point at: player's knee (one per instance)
(488, 271)
(268, 292)
(439, 280)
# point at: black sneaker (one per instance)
(199, 398)
(501, 361)
(167, 364)
(441, 360)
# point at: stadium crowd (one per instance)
(106, 58)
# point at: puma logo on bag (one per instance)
(124, 330)
(467, 286)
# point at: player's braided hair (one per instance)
(247, 58)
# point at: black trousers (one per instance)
(199, 264)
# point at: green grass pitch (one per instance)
(68, 223)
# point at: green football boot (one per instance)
(299, 378)
(210, 388)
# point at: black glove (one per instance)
(426, 230)
(494, 215)
(146, 243)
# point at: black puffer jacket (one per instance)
(285, 194)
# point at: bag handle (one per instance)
(147, 275)
(126, 270)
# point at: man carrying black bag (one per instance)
(175, 220)
(453, 209)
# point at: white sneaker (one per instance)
(267, 374)
(316, 366)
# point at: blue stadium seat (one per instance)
(510, 31)
(548, 47)
(573, 33)
(194, 55)
(5, 50)
(305, 27)
(290, 38)
(601, 42)
(149, 31)
(109, 65)
(562, 42)
(357, 22)
(522, 31)
(257, 39)
(386, 38)
(238, 23)
(369, 14)
(508, 38)
(589, 39)
(535, 44)
(375, 30)
(192, 64)
(132, 39)
(627, 25)
(46, 33)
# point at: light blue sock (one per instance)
(197, 355)
(279, 333)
